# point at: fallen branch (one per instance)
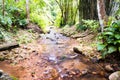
(9, 46)
(76, 50)
(81, 35)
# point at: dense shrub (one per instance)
(87, 24)
(110, 39)
(80, 27)
(13, 17)
(5, 21)
(18, 16)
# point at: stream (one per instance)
(55, 60)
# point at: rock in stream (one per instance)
(4, 76)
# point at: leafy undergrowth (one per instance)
(110, 39)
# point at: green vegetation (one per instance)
(14, 78)
(110, 39)
(93, 25)
(15, 14)
(55, 33)
(12, 17)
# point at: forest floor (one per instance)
(52, 57)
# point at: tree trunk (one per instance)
(114, 7)
(87, 9)
(27, 10)
(101, 13)
(3, 7)
(80, 10)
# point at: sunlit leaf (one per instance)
(112, 49)
(108, 33)
(100, 46)
(117, 36)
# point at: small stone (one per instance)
(77, 72)
(102, 73)
(72, 72)
(64, 75)
(94, 73)
(1, 73)
(25, 47)
(4, 76)
(75, 49)
(84, 72)
(115, 76)
(109, 68)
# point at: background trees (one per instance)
(83, 14)
(60, 12)
(27, 10)
(3, 7)
(68, 10)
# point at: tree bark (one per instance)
(101, 13)
(87, 9)
(27, 10)
(114, 7)
(3, 7)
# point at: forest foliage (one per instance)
(110, 39)
(83, 14)
(11, 16)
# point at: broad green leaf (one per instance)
(117, 36)
(108, 33)
(100, 46)
(104, 54)
(118, 23)
(112, 49)
(116, 42)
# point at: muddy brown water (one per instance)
(56, 61)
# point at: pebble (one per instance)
(94, 73)
(109, 68)
(115, 76)
(84, 72)
(4, 76)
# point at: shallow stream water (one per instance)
(55, 61)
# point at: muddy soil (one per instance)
(51, 57)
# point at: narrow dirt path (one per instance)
(55, 60)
